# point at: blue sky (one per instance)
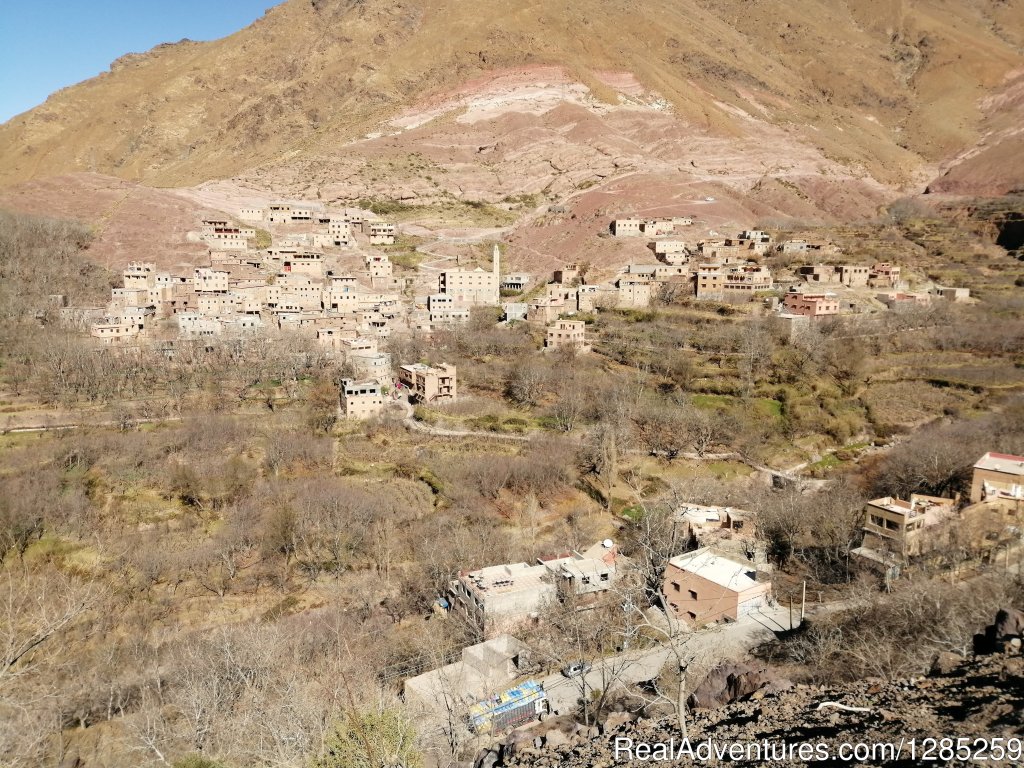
(45, 46)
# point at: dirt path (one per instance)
(419, 426)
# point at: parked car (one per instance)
(576, 669)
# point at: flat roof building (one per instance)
(483, 670)
(629, 227)
(382, 233)
(884, 275)
(818, 273)
(566, 274)
(703, 587)
(428, 384)
(810, 304)
(658, 227)
(476, 286)
(501, 598)
(515, 282)
(567, 333)
(898, 526)
(361, 399)
(897, 300)
(853, 275)
(998, 475)
(206, 279)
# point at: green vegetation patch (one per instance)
(407, 260)
(825, 463)
(285, 607)
(634, 513)
(385, 207)
(764, 406)
(263, 239)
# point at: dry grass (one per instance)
(909, 403)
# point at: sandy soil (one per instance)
(131, 222)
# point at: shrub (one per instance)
(371, 739)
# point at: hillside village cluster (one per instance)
(297, 284)
(501, 598)
(726, 578)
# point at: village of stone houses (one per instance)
(559, 501)
(326, 276)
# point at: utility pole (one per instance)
(791, 613)
(803, 604)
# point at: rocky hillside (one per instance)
(980, 698)
(995, 165)
(891, 87)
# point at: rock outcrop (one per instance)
(976, 698)
(732, 682)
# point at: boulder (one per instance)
(555, 738)
(734, 681)
(1009, 623)
(517, 742)
(945, 663)
(616, 720)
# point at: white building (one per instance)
(361, 399)
(475, 286)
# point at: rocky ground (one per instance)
(980, 699)
(130, 222)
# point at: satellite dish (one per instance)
(607, 543)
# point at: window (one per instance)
(675, 586)
(693, 594)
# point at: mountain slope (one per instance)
(889, 86)
(995, 165)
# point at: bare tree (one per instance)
(663, 429)
(40, 615)
(36, 609)
(652, 540)
(587, 630)
(683, 666)
(526, 382)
